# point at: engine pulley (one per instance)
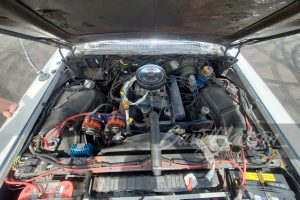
(115, 127)
(92, 125)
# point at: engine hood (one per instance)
(68, 23)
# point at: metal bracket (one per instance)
(64, 60)
(230, 47)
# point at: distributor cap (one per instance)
(151, 77)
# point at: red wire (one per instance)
(247, 123)
(234, 165)
(51, 131)
(95, 169)
(243, 152)
(244, 167)
(103, 169)
(185, 165)
(13, 182)
(61, 124)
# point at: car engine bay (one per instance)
(145, 125)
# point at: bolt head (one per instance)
(205, 110)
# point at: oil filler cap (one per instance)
(151, 77)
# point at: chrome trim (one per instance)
(149, 47)
(206, 195)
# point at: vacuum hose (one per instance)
(155, 143)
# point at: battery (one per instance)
(261, 185)
(52, 190)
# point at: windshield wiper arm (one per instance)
(255, 40)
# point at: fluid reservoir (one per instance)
(206, 73)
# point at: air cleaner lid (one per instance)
(151, 77)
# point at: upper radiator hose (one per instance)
(155, 143)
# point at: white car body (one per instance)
(16, 129)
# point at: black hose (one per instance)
(101, 106)
(113, 97)
(155, 144)
(46, 158)
(296, 183)
(49, 157)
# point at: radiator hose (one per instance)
(155, 143)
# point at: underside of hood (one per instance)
(67, 23)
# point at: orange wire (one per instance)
(244, 167)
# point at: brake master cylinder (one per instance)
(206, 73)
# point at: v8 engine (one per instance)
(130, 125)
